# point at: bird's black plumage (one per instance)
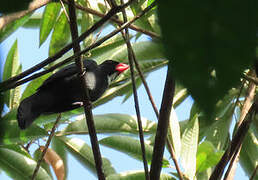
(62, 91)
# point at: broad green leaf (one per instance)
(13, 26)
(136, 175)
(174, 133)
(248, 155)
(48, 20)
(131, 147)
(189, 147)
(12, 67)
(110, 123)
(10, 133)
(207, 156)
(17, 148)
(83, 153)
(129, 93)
(18, 166)
(180, 97)
(34, 21)
(34, 85)
(203, 42)
(60, 35)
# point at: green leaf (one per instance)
(48, 21)
(207, 156)
(10, 133)
(13, 26)
(12, 67)
(83, 153)
(18, 166)
(174, 133)
(209, 44)
(110, 123)
(189, 147)
(136, 175)
(131, 147)
(61, 34)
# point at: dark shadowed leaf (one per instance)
(209, 44)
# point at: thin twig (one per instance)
(85, 92)
(66, 14)
(46, 147)
(131, 57)
(246, 106)
(254, 173)
(161, 134)
(66, 48)
(11, 83)
(117, 21)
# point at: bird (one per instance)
(62, 91)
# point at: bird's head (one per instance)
(113, 68)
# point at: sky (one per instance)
(30, 54)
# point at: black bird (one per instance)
(62, 91)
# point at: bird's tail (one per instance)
(28, 110)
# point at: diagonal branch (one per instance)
(85, 92)
(117, 21)
(46, 147)
(66, 48)
(13, 82)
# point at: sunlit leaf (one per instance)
(131, 147)
(189, 147)
(18, 166)
(83, 153)
(48, 21)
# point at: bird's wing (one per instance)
(66, 72)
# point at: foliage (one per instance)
(208, 49)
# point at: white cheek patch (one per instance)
(90, 80)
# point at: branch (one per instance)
(236, 142)
(66, 48)
(46, 147)
(246, 106)
(161, 134)
(7, 19)
(132, 58)
(85, 92)
(12, 82)
(117, 21)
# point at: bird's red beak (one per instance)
(121, 67)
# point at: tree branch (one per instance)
(161, 134)
(85, 92)
(132, 58)
(46, 147)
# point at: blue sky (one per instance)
(30, 54)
